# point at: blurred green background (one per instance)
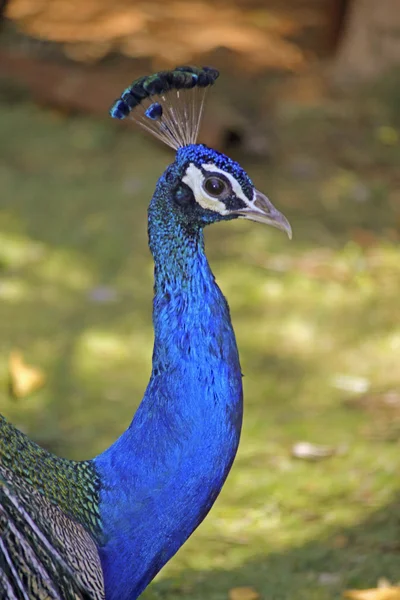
(317, 319)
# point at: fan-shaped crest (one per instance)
(168, 104)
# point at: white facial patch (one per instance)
(194, 178)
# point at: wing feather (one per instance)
(44, 554)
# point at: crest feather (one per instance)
(168, 104)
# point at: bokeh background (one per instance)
(308, 101)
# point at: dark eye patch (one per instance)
(183, 195)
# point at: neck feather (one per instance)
(177, 247)
(164, 473)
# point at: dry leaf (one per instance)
(380, 593)
(308, 451)
(243, 593)
(329, 578)
(24, 379)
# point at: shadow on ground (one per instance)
(348, 557)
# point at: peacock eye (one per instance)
(215, 186)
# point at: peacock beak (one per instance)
(263, 211)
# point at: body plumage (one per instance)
(103, 528)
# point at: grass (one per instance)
(316, 319)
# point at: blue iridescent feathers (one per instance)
(168, 104)
(155, 111)
(101, 529)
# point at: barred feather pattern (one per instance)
(45, 552)
(73, 486)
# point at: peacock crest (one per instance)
(168, 104)
(101, 529)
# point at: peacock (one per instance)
(103, 528)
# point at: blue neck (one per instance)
(161, 477)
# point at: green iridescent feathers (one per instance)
(72, 486)
(49, 522)
(43, 553)
(168, 104)
(181, 78)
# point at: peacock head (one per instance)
(205, 185)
